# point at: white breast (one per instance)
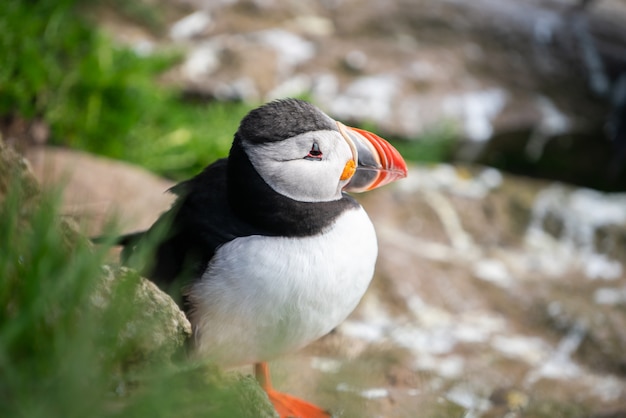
(264, 296)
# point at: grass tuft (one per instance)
(48, 362)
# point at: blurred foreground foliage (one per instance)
(70, 347)
(101, 97)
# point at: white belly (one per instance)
(264, 296)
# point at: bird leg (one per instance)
(287, 406)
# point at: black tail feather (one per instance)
(125, 240)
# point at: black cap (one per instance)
(282, 119)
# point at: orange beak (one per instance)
(378, 162)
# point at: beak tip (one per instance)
(385, 164)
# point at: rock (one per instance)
(253, 400)
(201, 62)
(291, 49)
(154, 326)
(367, 98)
(15, 168)
(191, 26)
(95, 188)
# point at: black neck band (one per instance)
(256, 202)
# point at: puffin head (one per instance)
(303, 154)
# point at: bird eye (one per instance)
(315, 154)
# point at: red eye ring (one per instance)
(315, 154)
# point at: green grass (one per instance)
(103, 98)
(433, 146)
(48, 357)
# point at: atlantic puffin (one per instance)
(265, 249)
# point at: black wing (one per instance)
(183, 240)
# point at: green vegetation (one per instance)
(68, 347)
(433, 146)
(546, 408)
(103, 98)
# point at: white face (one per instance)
(294, 168)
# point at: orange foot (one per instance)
(287, 406)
